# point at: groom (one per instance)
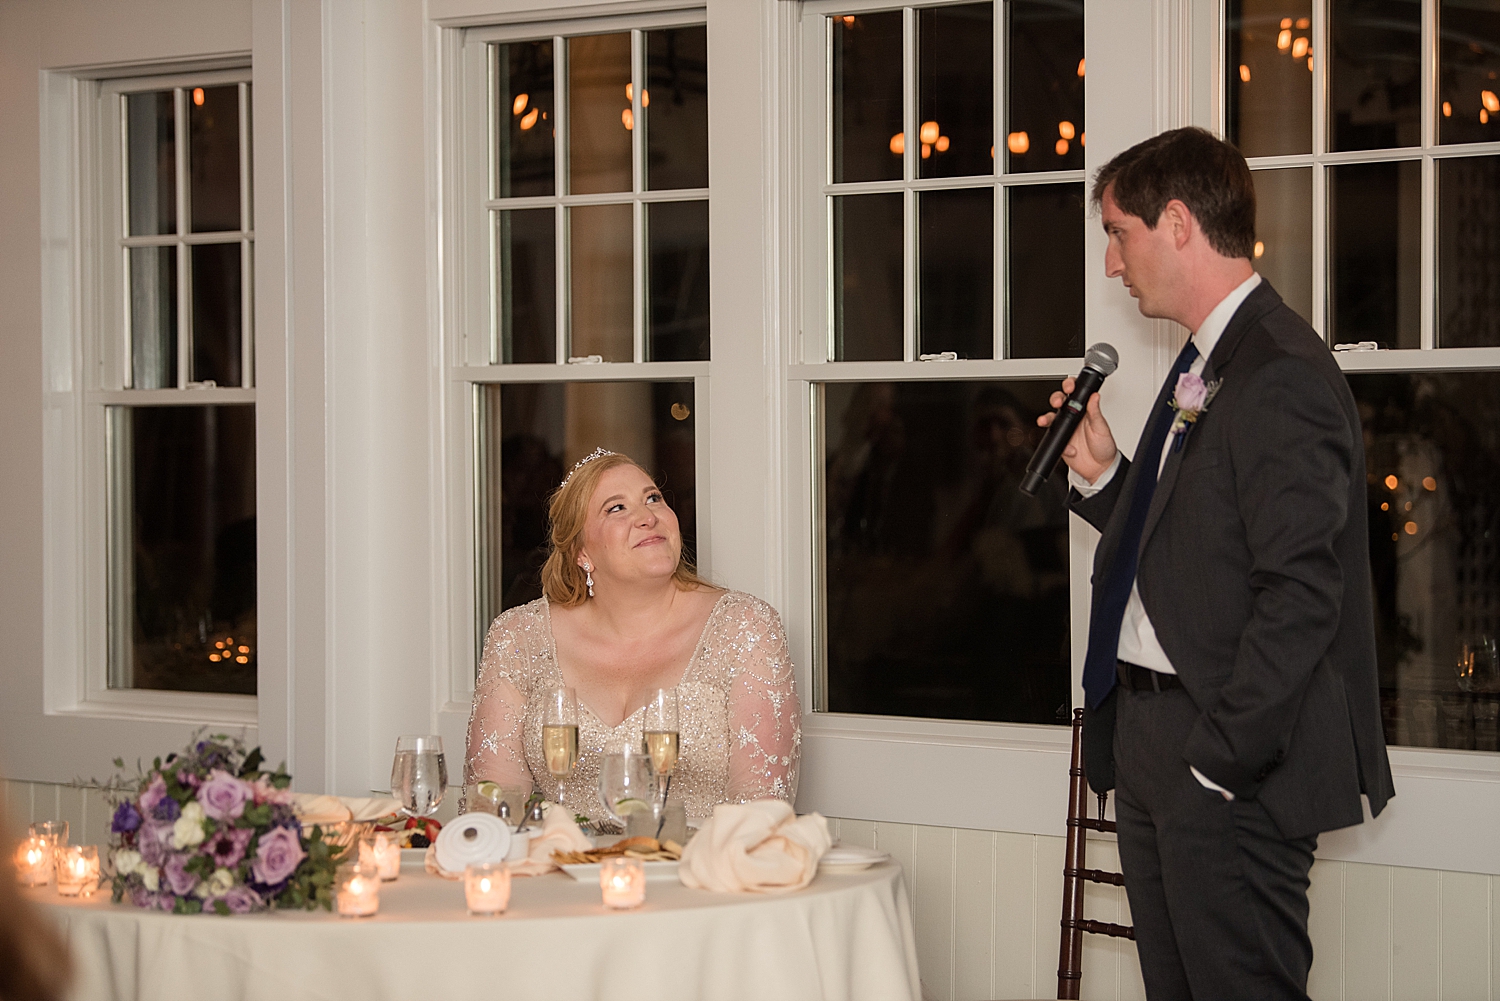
(1230, 678)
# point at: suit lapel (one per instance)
(1259, 302)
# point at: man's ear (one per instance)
(1179, 218)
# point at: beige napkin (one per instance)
(364, 809)
(760, 847)
(312, 808)
(558, 834)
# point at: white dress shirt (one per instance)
(1138, 642)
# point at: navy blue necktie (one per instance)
(1109, 610)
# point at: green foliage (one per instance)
(311, 886)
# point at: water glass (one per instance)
(419, 775)
(626, 785)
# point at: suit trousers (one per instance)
(1217, 895)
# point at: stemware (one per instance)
(626, 786)
(560, 734)
(419, 774)
(660, 730)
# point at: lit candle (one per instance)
(34, 861)
(77, 870)
(357, 890)
(383, 852)
(487, 887)
(623, 882)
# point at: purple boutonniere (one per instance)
(1191, 399)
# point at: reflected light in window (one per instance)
(1260, 248)
(1065, 129)
(1391, 483)
(1080, 67)
(930, 132)
(1286, 22)
(1083, 138)
(1018, 142)
(942, 144)
(1303, 23)
(1484, 117)
(198, 96)
(630, 92)
(627, 119)
(1490, 101)
(1385, 505)
(926, 150)
(1244, 73)
(1429, 483)
(529, 120)
(898, 143)
(1284, 40)
(1309, 64)
(848, 20)
(1447, 109)
(519, 104)
(1411, 528)
(1299, 47)
(1061, 147)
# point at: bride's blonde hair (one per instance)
(563, 580)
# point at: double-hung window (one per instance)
(1373, 131)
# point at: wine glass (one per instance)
(419, 774)
(660, 733)
(626, 785)
(560, 734)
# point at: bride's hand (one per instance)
(1092, 447)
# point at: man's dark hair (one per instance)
(1203, 172)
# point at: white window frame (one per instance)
(470, 295)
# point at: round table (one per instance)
(845, 936)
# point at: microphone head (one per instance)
(1102, 358)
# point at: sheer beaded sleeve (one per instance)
(765, 724)
(495, 746)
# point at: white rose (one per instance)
(220, 883)
(151, 877)
(194, 810)
(127, 861)
(188, 831)
(202, 890)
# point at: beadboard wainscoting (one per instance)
(986, 907)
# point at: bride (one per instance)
(623, 614)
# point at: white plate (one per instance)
(588, 872)
(851, 858)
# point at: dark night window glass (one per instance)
(526, 130)
(526, 241)
(1044, 128)
(1268, 80)
(1433, 454)
(867, 130)
(1375, 74)
(153, 317)
(676, 108)
(1468, 250)
(677, 237)
(599, 113)
(183, 548)
(151, 163)
(1468, 71)
(867, 282)
(214, 157)
(530, 434)
(961, 613)
(1375, 253)
(1283, 234)
(216, 313)
(955, 90)
(1046, 271)
(957, 272)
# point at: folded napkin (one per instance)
(315, 809)
(558, 834)
(760, 847)
(370, 808)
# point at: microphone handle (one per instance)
(1064, 423)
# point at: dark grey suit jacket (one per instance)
(1255, 571)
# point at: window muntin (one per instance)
(176, 405)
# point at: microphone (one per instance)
(1101, 360)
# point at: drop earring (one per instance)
(588, 578)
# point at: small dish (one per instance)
(851, 858)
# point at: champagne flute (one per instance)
(419, 774)
(560, 734)
(661, 736)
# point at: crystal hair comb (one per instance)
(597, 453)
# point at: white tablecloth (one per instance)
(846, 936)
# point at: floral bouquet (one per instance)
(207, 829)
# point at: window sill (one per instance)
(168, 707)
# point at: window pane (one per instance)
(1375, 75)
(867, 282)
(526, 131)
(678, 282)
(956, 90)
(1046, 271)
(1468, 71)
(1434, 476)
(526, 240)
(867, 129)
(183, 548)
(599, 117)
(1469, 252)
(956, 310)
(153, 317)
(603, 318)
(961, 613)
(1045, 64)
(214, 157)
(216, 313)
(1283, 234)
(531, 434)
(1375, 253)
(152, 168)
(1268, 77)
(675, 106)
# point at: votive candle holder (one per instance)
(76, 868)
(356, 890)
(34, 861)
(55, 831)
(622, 882)
(487, 888)
(383, 851)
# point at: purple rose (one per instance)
(1192, 393)
(127, 818)
(227, 847)
(153, 795)
(242, 900)
(151, 842)
(223, 796)
(181, 881)
(141, 897)
(277, 856)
